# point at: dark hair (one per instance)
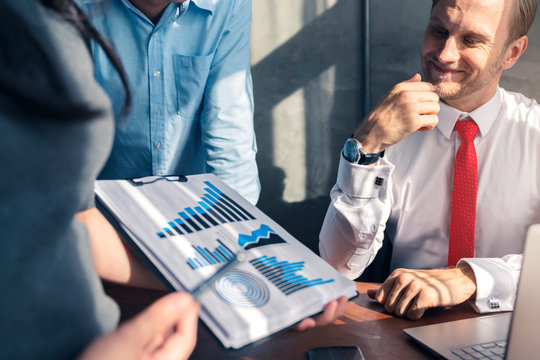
(30, 77)
(521, 22)
(72, 13)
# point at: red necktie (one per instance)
(463, 211)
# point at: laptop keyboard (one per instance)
(490, 350)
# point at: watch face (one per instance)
(350, 151)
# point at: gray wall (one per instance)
(306, 62)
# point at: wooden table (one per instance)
(365, 324)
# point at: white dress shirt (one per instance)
(413, 202)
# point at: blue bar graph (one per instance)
(226, 199)
(205, 257)
(213, 209)
(284, 275)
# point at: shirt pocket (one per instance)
(190, 75)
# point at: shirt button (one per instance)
(155, 34)
(159, 173)
(157, 73)
(157, 145)
(158, 111)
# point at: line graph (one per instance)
(259, 237)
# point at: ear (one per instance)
(514, 51)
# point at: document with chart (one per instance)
(189, 227)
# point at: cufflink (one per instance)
(493, 304)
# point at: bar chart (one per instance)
(205, 257)
(213, 209)
(284, 275)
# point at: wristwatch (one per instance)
(353, 153)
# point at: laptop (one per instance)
(515, 333)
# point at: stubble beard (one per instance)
(467, 85)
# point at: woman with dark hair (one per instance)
(56, 131)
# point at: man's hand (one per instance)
(166, 330)
(410, 106)
(333, 310)
(409, 293)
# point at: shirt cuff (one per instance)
(363, 181)
(495, 285)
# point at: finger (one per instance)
(426, 96)
(394, 295)
(180, 344)
(385, 289)
(306, 324)
(392, 300)
(416, 311)
(405, 301)
(161, 316)
(333, 310)
(329, 313)
(323, 319)
(341, 304)
(415, 78)
(415, 86)
(427, 108)
(371, 293)
(428, 122)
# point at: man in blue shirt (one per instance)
(188, 68)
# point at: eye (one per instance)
(470, 41)
(438, 32)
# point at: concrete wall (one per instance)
(306, 62)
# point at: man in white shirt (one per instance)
(407, 192)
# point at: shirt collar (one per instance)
(208, 5)
(203, 4)
(173, 10)
(484, 116)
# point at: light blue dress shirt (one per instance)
(192, 91)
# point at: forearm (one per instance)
(353, 229)
(113, 260)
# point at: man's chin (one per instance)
(447, 92)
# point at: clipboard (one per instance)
(189, 227)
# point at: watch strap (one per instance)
(366, 159)
(353, 153)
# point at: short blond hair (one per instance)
(523, 18)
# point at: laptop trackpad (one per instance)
(442, 337)
(499, 322)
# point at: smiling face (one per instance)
(464, 49)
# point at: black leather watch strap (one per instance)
(366, 159)
(353, 152)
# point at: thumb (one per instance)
(161, 316)
(415, 78)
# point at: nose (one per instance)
(449, 51)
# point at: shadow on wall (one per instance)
(332, 110)
(330, 40)
(333, 39)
